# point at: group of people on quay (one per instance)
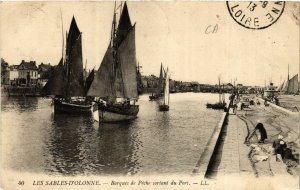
(281, 149)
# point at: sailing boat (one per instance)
(166, 95)
(160, 86)
(293, 87)
(221, 104)
(115, 83)
(139, 79)
(67, 82)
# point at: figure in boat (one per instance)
(160, 87)
(115, 84)
(166, 95)
(67, 83)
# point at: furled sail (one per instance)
(74, 63)
(102, 86)
(55, 85)
(128, 64)
(293, 85)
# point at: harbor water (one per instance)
(36, 140)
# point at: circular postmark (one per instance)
(256, 14)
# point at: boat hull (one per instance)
(113, 114)
(61, 106)
(216, 106)
(155, 97)
(163, 108)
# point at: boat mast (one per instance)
(169, 88)
(288, 81)
(219, 89)
(62, 33)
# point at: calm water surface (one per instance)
(37, 140)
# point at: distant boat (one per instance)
(166, 95)
(221, 105)
(160, 87)
(67, 82)
(115, 84)
(293, 87)
(139, 79)
(271, 91)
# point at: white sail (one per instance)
(166, 90)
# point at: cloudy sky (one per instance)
(169, 32)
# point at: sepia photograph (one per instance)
(150, 95)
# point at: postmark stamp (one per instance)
(256, 14)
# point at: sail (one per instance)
(162, 74)
(89, 81)
(279, 88)
(127, 61)
(55, 85)
(124, 25)
(74, 63)
(293, 85)
(285, 86)
(166, 90)
(102, 86)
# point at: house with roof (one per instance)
(13, 75)
(28, 73)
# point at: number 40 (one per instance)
(21, 183)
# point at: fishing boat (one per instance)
(160, 87)
(221, 105)
(166, 95)
(290, 86)
(67, 82)
(115, 84)
(139, 79)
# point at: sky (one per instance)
(172, 33)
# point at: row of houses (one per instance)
(150, 83)
(27, 73)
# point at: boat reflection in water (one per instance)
(162, 143)
(79, 146)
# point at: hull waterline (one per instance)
(61, 106)
(117, 114)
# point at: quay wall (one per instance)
(210, 149)
(282, 110)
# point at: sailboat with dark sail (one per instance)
(115, 84)
(67, 82)
(166, 95)
(160, 86)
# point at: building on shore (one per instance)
(4, 72)
(28, 73)
(45, 71)
(13, 75)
